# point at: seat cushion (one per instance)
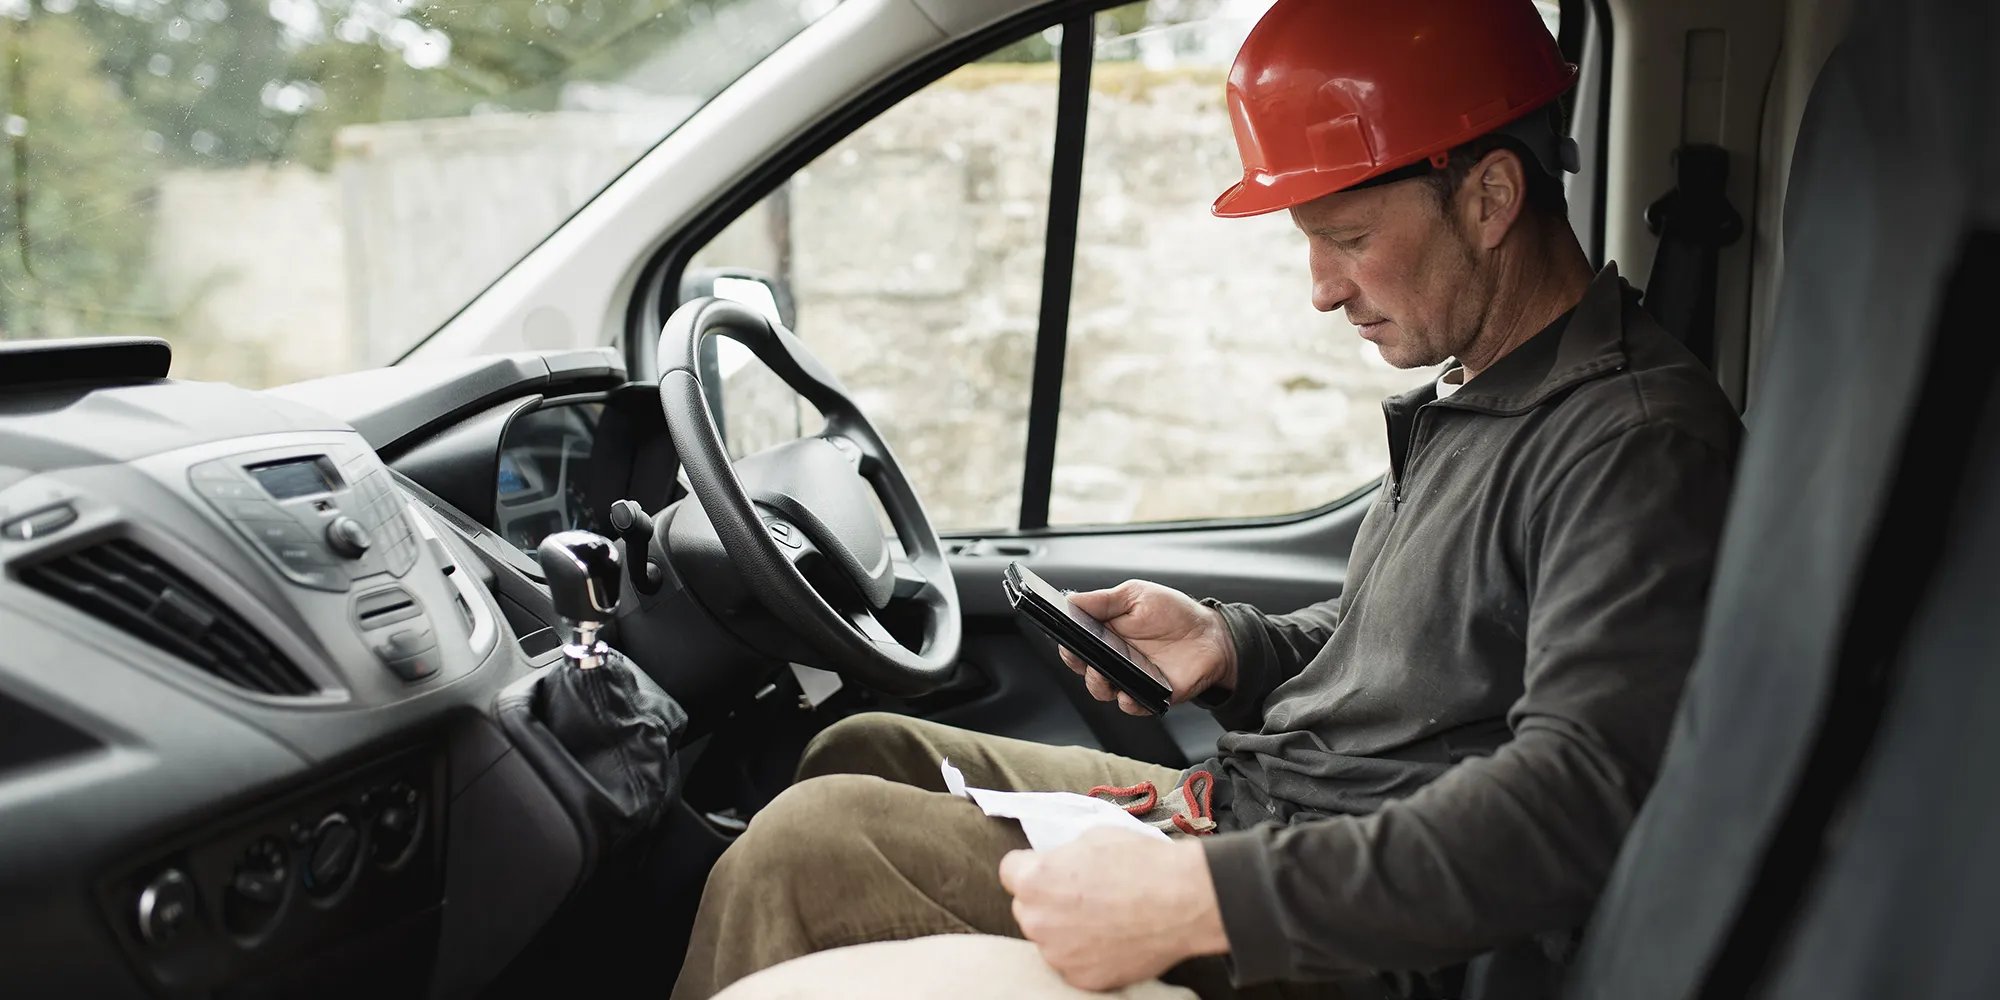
(960, 966)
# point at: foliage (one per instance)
(77, 180)
(1045, 46)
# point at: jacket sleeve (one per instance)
(1619, 553)
(1270, 650)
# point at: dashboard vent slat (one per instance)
(133, 590)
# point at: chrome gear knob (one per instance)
(585, 578)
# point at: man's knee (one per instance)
(821, 842)
(847, 857)
(882, 744)
(809, 824)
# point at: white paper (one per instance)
(1050, 819)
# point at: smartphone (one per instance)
(1050, 609)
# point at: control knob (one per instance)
(256, 888)
(395, 830)
(332, 855)
(166, 905)
(260, 873)
(348, 538)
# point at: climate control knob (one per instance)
(333, 853)
(393, 836)
(256, 889)
(348, 538)
(166, 905)
(260, 872)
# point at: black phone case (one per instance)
(1149, 693)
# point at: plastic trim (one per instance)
(1358, 495)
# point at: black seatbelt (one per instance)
(1694, 222)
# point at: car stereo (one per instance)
(323, 519)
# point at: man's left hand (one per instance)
(1110, 909)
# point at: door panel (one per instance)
(1017, 686)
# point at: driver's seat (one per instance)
(1824, 821)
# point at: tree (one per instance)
(77, 178)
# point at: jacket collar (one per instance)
(1588, 342)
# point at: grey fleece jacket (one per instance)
(1444, 760)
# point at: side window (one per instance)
(1198, 382)
(912, 251)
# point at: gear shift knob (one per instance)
(584, 579)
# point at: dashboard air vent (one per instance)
(135, 591)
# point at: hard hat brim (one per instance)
(1244, 200)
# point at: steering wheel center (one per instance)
(811, 486)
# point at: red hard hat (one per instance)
(1326, 94)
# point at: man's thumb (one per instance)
(1102, 604)
(1016, 866)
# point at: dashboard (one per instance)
(246, 735)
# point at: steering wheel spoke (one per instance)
(849, 450)
(867, 624)
(910, 581)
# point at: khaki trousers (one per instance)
(867, 846)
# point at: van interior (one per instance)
(233, 764)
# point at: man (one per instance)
(1443, 761)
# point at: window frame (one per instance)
(1583, 23)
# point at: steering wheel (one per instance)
(796, 520)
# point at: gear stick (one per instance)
(584, 580)
(597, 729)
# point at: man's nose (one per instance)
(1331, 286)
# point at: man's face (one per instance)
(1407, 278)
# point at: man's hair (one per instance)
(1545, 190)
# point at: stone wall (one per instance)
(276, 274)
(254, 270)
(435, 210)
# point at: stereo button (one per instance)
(416, 667)
(301, 556)
(323, 578)
(227, 489)
(277, 534)
(250, 510)
(411, 654)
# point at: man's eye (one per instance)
(1350, 242)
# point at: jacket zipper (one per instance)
(1396, 478)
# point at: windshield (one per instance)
(285, 189)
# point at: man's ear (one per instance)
(1497, 189)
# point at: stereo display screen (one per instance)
(296, 478)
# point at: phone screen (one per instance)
(1061, 600)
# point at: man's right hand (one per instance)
(1186, 639)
